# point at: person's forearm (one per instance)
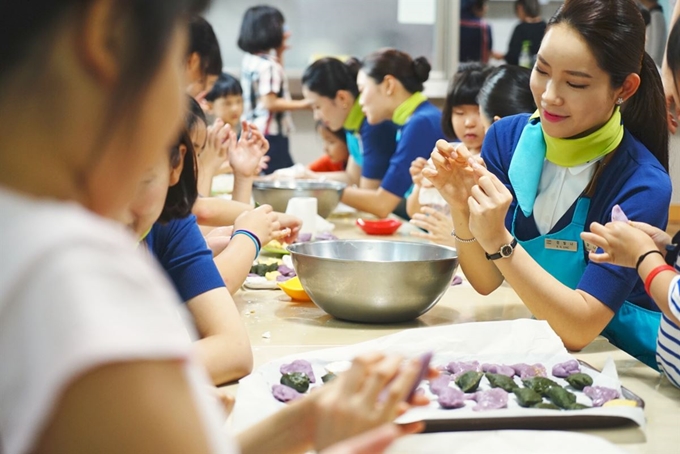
(243, 189)
(413, 201)
(235, 261)
(340, 176)
(283, 104)
(575, 316)
(216, 212)
(204, 183)
(660, 287)
(287, 431)
(482, 274)
(378, 202)
(224, 368)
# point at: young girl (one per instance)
(265, 86)
(391, 85)
(460, 122)
(204, 60)
(335, 148)
(161, 214)
(644, 247)
(599, 139)
(226, 101)
(505, 92)
(95, 357)
(331, 87)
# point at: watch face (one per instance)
(506, 250)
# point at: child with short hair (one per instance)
(335, 148)
(225, 101)
(460, 122)
(267, 99)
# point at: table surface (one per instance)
(277, 327)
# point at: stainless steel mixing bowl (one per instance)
(374, 281)
(277, 193)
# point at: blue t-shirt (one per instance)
(633, 179)
(378, 143)
(184, 255)
(416, 139)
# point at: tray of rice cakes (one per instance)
(492, 375)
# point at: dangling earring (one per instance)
(619, 101)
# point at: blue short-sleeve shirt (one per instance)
(184, 255)
(416, 138)
(633, 179)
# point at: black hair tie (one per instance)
(642, 257)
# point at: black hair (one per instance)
(506, 92)
(327, 76)
(412, 73)
(340, 133)
(26, 26)
(203, 41)
(531, 7)
(464, 89)
(226, 85)
(673, 52)
(646, 15)
(472, 6)
(194, 114)
(615, 33)
(261, 29)
(182, 196)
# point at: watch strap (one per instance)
(499, 255)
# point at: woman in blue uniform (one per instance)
(598, 139)
(331, 86)
(391, 85)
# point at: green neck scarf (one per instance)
(574, 152)
(144, 235)
(354, 118)
(405, 110)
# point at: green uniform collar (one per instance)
(405, 110)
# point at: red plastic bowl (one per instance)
(379, 227)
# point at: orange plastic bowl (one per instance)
(293, 288)
(379, 227)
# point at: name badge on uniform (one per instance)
(561, 245)
(590, 247)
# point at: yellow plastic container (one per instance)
(293, 288)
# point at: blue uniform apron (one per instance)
(633, 329)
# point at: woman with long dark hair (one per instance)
(599, 139)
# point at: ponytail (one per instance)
(644, 114)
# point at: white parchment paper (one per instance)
(503, 342)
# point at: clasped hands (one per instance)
(472, 192)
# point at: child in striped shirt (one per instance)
(653, 253)
(266, 96)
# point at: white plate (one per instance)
(504, 441)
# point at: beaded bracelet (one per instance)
(253, 237)
(462, 240)
(652, 274)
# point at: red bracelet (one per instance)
(652, 274)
